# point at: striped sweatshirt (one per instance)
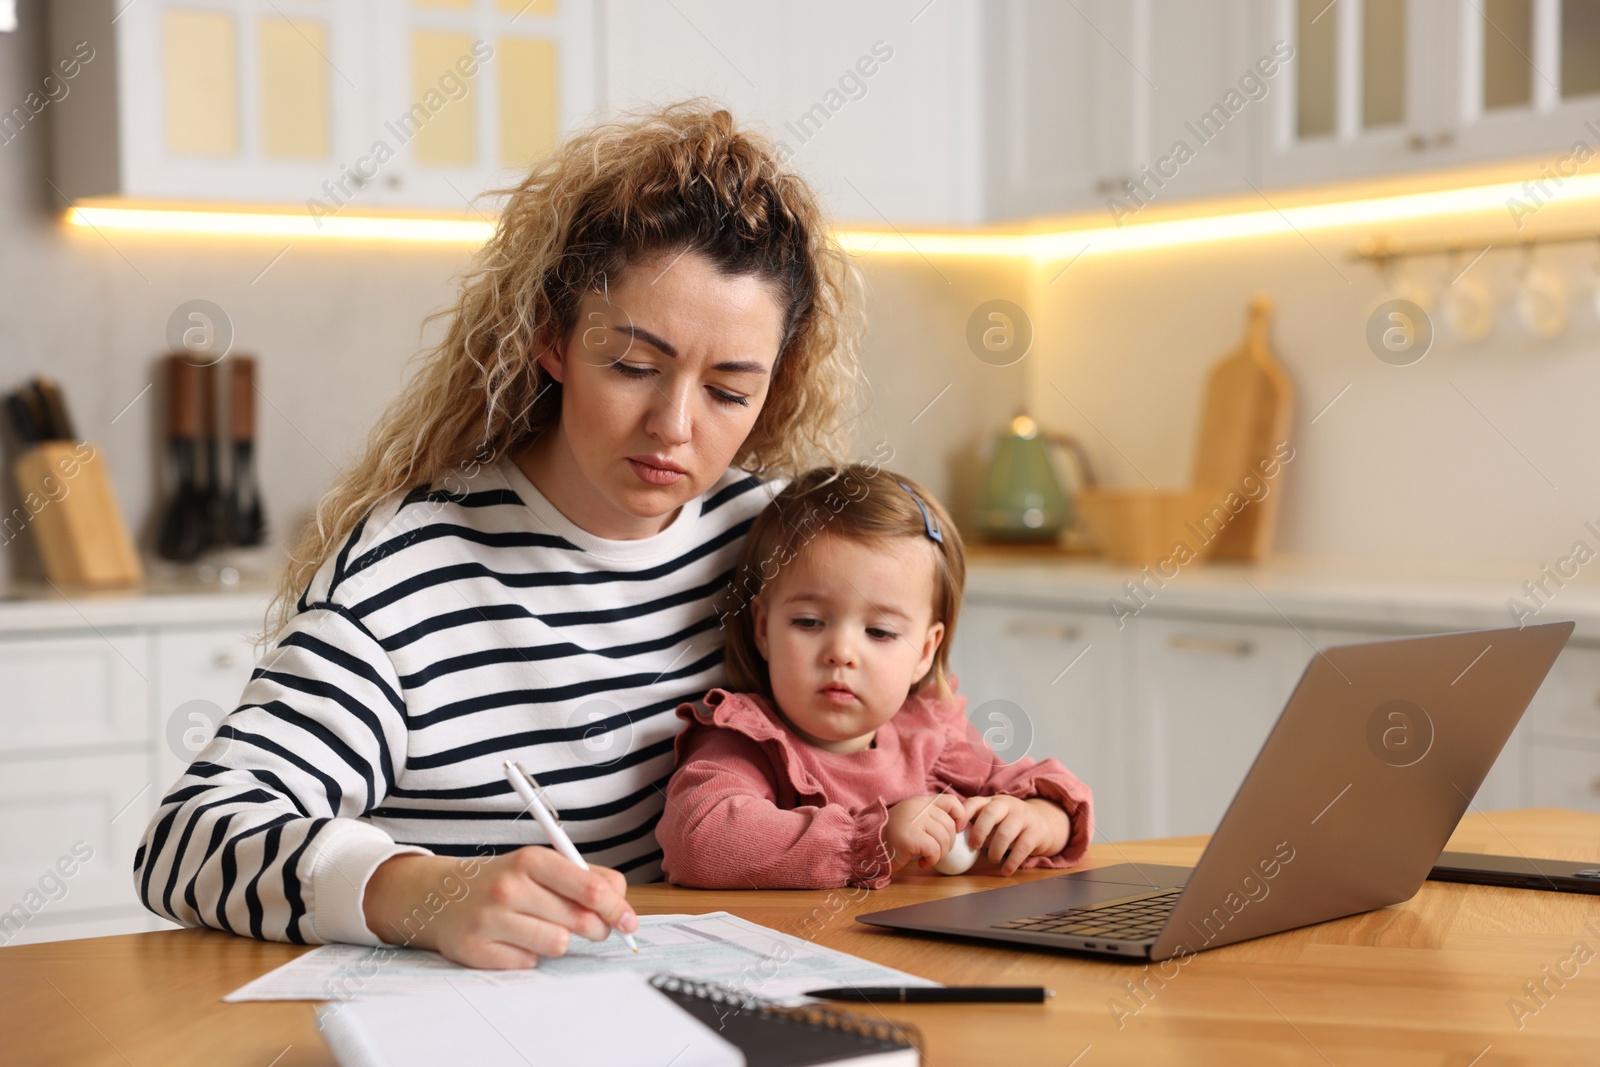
(452, 631)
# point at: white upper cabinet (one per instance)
(884, 108)
(902, 112)
(208, 99)
(466, 94)
(1119, 104)
(1528, 81)
(1361, 94)
(1386, 86)
(1058, 107)
(877, 104)
(323, 104)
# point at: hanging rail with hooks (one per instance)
(1382, 249)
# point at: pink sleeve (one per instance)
(723, 829)
(971, 768)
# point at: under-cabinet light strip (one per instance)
(1045, 247)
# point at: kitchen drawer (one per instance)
(1044, 683)
(89, 689)
(1569, 701)
(1561, 775)
(1207, 695)
(200, 674)
(71, 827)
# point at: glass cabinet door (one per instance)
(468, 93)
(1384, 86)
(1358, 98)
(1529, 77)
(245, 100)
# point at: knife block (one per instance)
(65, 490)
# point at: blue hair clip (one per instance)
(928, 520)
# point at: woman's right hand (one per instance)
(512, 910)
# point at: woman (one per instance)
(524, 563)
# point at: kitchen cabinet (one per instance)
(1561, 775)
(1560, 746)
(199, 674)
(1363, 95)
(878, 105)
(208, 99)
(901, 112)
(93, 731)
(72, 826)
(1206, 695)
(1057, 109)
(468, 93)
(1116, 105)
(1388, 86)
(1164, 715)
(1048, 683)
(66, 691)
(318, 104)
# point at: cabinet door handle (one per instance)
(1217, 646)
(224, 657)
(1048, 631)
(1594, 787)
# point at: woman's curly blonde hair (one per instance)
(682, 177)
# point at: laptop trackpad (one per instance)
(975, 912)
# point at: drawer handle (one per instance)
(224, 657)
(1049, 631)
(1216, 646)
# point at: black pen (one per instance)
(951, 994)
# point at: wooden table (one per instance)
(1431, 981)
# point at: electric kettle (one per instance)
(1023, 496)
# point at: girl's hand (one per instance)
(923, 827)
(514, 908)
(1007, 830)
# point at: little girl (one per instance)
(839, 753)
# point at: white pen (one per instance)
(525, 786)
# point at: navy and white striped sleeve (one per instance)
(260, 836)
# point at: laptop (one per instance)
(1349, 803)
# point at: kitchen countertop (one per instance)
(1370, 594)
(1378, 595)
(29, 608)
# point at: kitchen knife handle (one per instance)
(22, 422)
(183, 398)
(210, 380)
(243, 388)
(58, 426)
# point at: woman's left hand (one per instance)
(1009, 830)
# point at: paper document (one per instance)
(715, 947)
(614, 1019)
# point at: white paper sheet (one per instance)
(715, 947)
(575, 1021)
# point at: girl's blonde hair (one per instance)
(861, 502)
(680, 178)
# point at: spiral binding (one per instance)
(810, 1014)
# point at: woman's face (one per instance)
(662, 378)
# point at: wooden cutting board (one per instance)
(1244, 420)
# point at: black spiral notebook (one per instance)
(772, 1035)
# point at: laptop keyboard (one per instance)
(1132, 919)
